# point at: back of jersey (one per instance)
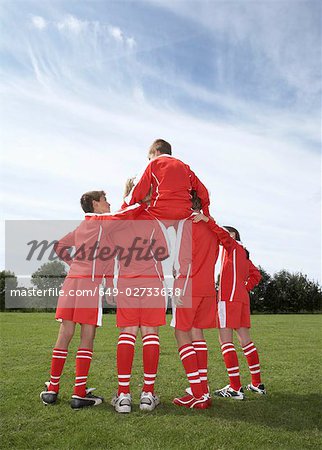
(171, 186)
(234, 275)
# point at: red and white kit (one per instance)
(238, 276)
(142, 296)
(171, 181)
(81, 301)
(195, 271)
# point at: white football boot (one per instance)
(148, 401)
(228, 392)
(122, 403)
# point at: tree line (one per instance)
(283, 292)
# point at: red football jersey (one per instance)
(172, 182)
(238, 275)
(196, 258)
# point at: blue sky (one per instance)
(235, 86)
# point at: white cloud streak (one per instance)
(76, 26)
(73, 24)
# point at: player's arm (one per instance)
(119, 221)
(141, 187)
(63, 246)
(224, 237)
(254, 277)
(202, 192)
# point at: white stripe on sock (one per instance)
(186, 349)
(126, 342)
(193, 374)
(228, 350)
(187, 354)
(129, 336)
(253, 367)
(250, 351)
(151, 336)
(227, 345)
(248, 346)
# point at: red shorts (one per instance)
(143, 311)
(201, 314)
(81, 302)
(233, 315)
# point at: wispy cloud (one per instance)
(75, 25)
(72, 23)
(39, 22)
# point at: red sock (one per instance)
(201, 350)
(231, 362)
(151, 352)
(57, 365)
(83, 362)
(251, 354)
(189, 361)
(124, 358)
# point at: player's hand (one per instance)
(177, 300)
(201, 217)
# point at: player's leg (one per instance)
(205, 318)
(234, 388)
(83, 397)
(197, 398)
(59, 355)
(200, 346)
(151, 353)
(122, 401)
(251, 354)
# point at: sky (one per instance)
(234, 86)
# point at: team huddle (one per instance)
(126, 255)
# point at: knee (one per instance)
(67, 334)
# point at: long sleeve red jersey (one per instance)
(172, 182)
(238, 275)
(196, 255)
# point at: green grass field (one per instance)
(288, 417)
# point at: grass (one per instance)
(289, 417)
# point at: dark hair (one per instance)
(86, 200)
(233, 230)
(162, 146)
(196, 202)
